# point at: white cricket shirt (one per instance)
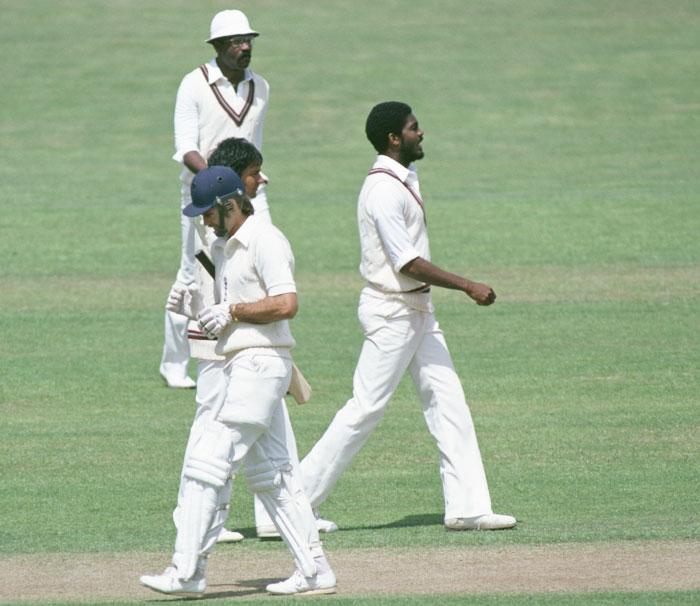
(208, 109)
(254, 263)
(393, 232)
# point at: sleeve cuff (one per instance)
(404, 258)
(281, 289)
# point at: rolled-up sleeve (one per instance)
(387, 211)
(186, 120)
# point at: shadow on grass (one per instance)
(249, 532)
(424, 519)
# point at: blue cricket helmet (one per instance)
(212, 184)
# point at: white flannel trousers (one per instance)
(256, 434)
(394, 342)
(209, 398)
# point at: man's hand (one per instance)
(194, 161)
(185, 300)
(212, 320)
(194, 302)
(481, 293)
(176, 297)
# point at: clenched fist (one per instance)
(481, 293)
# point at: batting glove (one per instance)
(212, 320)
(194, 302)
(176, 298)
(185, 300)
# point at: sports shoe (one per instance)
(323, 582)
(229, 536)
(267, 531)
(489, 521)
(175, 381)
(169, 584)
(323, 525)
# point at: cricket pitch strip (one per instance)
(235, 572)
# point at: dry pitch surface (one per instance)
(233, 572)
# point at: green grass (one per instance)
(561, 167)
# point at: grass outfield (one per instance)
(561, 167)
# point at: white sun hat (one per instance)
(230, 23)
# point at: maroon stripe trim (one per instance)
(416, 197)
(419, 289)
(197, 336)
(237, 117)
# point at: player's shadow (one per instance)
(422, 519)
(249, 532)
(257, 587)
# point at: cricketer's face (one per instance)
(252, 179)
(233, 217)
(211, 218)
(235, 52)
(411, 137)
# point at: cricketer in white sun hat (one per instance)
(230, 23)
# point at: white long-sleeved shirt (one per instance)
(208, 109)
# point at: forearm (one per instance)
(194, 161)
(425, 271)
(269, 309)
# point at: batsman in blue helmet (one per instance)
(256, 294)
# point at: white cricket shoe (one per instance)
(229, 536)
(489, 521)
(323, 582)
(323, 525)
(169, 584)
(267, 531)
(176, 381)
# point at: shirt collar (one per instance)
(244, 235)
(215, 73)
(399, 170)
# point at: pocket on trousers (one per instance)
(272, 367)
(256, 387)
(374, 314)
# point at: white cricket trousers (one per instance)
(398, 338)
(209, 398)
(249, 427)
